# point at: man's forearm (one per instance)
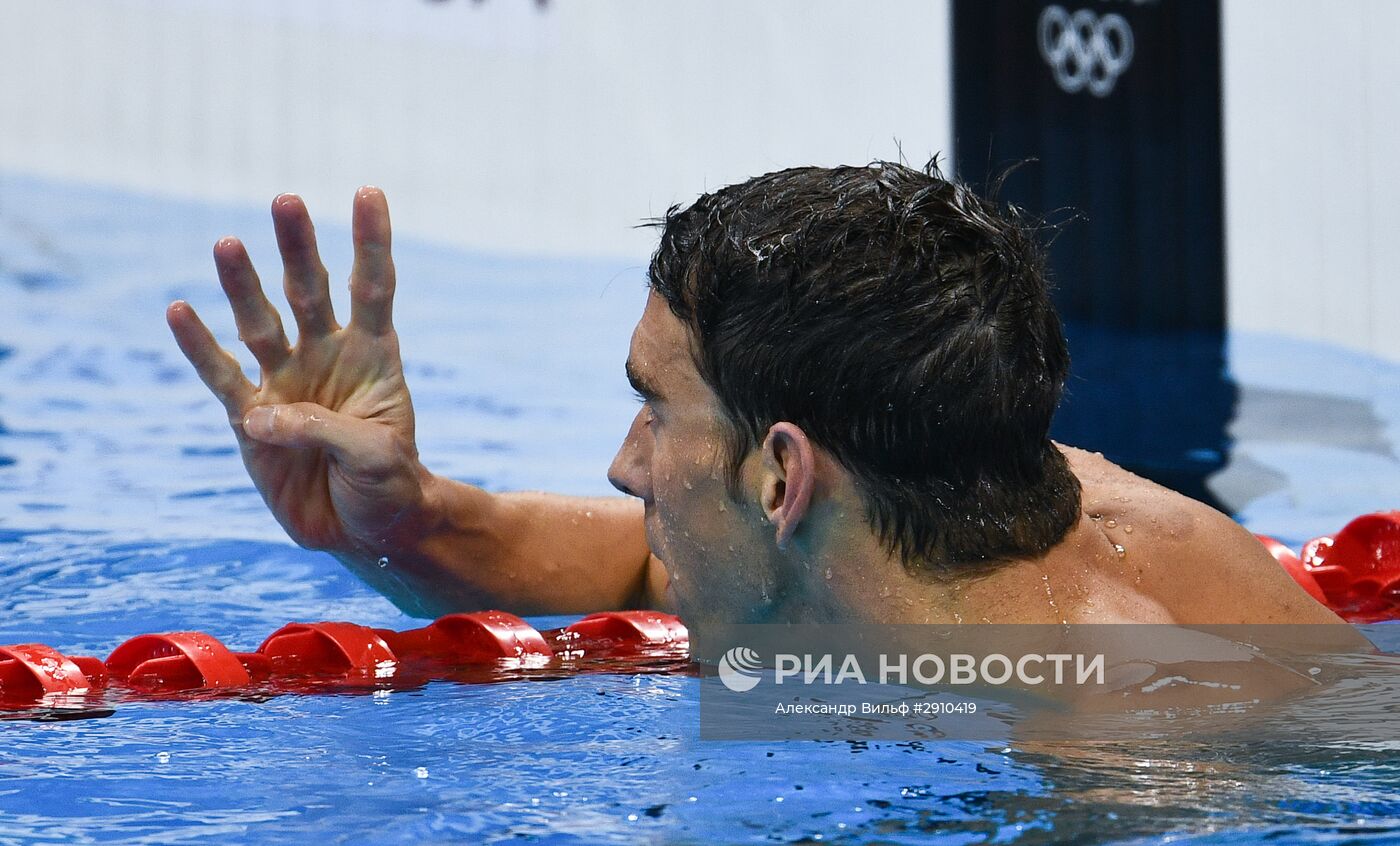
(462, 549)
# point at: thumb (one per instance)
(306, 425)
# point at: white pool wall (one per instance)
(551, 131)
(497, 125)
(1312, 169)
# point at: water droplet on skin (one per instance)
(588, 514)
(383, 562)
(1110, 523)
(1118, 548)
(1128, 529)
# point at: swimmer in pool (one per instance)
(847, 378)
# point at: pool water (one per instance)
(124, 510)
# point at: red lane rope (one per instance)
(1355, 572)
(305, 657)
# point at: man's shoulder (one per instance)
(1166, 519)
(1152, 523)
(1195, 560)
(1113, 493)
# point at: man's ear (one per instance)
(790, 466)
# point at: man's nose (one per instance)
(630, 471)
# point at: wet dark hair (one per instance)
(905, 324)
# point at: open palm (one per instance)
(328, 434)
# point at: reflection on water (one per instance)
(123, 510)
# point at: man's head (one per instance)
(880, 323)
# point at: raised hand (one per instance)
(328, 433)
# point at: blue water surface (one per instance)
(124, 509)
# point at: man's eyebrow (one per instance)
(640, 384)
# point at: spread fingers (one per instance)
(216, 368)
(372, 279)
(259, 326)
(304, 275)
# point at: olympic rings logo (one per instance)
(1085, 50)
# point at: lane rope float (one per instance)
(1355, 572)
(334, 655)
